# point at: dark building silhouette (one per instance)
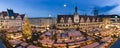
(10, 12)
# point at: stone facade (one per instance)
(10, 20)
(43, 21)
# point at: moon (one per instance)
(49, 15)
(65, 5)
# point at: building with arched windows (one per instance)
(84, 21)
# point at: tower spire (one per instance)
(95, 12)
(76, 16)
(76, 10)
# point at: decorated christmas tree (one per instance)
(26, 29)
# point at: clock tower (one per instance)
(76, 16)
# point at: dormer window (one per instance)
(62, 20)
(97, 20)
(18, 17)
(82, 20)
(12, 17)
(93, 19)
(69, 20)
(1, 16)
(7, 17)
(88, 20)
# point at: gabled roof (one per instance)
(4, 13)
(65, 17)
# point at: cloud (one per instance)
(115, 11)
(110, 7)
(106, 8)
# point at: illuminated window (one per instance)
(62, 20)
(82, 20)
(69, 20)
(93, 19)
(88, 20)
(97, 20)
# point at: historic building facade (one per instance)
(84, 21)
(43, 21)
(10, 20)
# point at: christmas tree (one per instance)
(26, 29)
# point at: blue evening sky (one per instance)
(44, 8)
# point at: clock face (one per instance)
(76, 19)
